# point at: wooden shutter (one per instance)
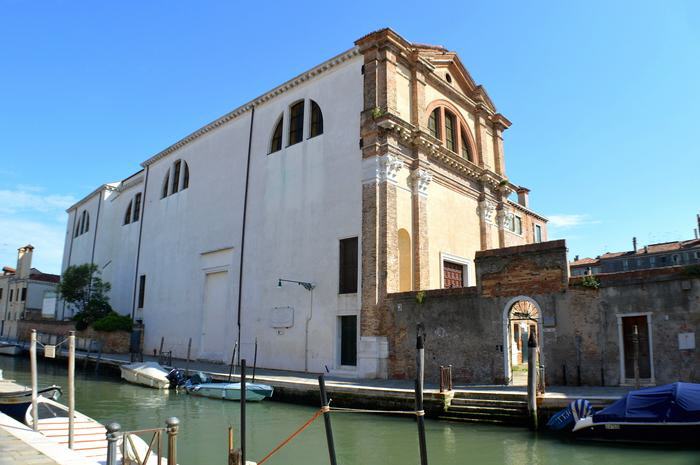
(348, 266)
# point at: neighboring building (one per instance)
(677, 253)
(24, 293)
(380, 170)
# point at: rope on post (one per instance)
(318, 413)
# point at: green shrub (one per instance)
(113, 322)
(590, 281)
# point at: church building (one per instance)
(289, 220)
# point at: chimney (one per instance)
(697, 230)
(576, 258)
(524, 198)
(646, 249)
(696, 233)
(24, 261)
(634, 244)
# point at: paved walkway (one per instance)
(14, 451)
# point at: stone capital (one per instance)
(420, 179)
(381, 169)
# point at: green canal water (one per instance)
(360, 439)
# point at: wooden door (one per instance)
(348, 340)
(628, 324)
(453, 275)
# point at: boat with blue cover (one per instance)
(662, 414)
(200, 384)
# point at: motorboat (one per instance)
(149, 374)
(8, 348)
(16, 403)
(661, 414)
(230, 391)
(201, 384)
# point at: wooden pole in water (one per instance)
(243, 396)
(255, 358)
(71, 388)
(635, 343)
(325, 406)
(420, 414)
(532, 380)
(32, 358)
(233, 360)
(189, 350)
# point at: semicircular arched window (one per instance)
(179, 181)
(296, 123)
(127, 213)
(276, 142)
(452, 131)
(316, 120)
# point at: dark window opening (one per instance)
(316, 120)
(137, 207)
(434, 123)
(186, 177)
(142, 289)
(176, 177)
(450, 134)
(466, 153)
(348, 266)
(276, 144)
(166, 183)
(127, 215)
(12, 292)
(296, 123)
(348, 340)
(24, 294)
(448, 78)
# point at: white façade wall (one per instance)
(302, 200)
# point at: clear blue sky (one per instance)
(603, 97)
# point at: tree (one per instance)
(82, 287)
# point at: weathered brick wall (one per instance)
(522, 270)
(465, 327)
(114, 342)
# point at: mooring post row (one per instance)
(112, 438)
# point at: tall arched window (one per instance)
(434, 123)
(296, 123)
(276, 143)
(405, 261)
(137, 207)
(164, 188)
(87, 221)
(127, 214)
(176, 176)
(450, 134)
(466, 150)
(77, 225)
(186, 177)
(316, 120)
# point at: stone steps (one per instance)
(487, 407)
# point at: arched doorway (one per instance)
(405, 261)
(522, 316)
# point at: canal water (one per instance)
(360, 439)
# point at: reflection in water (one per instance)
(360, 439)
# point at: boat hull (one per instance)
(647, 433)
(10, 349)
(231, 391)
(150, 375)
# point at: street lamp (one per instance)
(309, 287)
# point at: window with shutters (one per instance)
(348, 266)
(453, 274)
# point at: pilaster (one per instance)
(420, 180)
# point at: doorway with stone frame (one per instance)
(521, 317)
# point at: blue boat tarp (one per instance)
(677, 402)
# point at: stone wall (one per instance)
(578, 325)
(113, 342)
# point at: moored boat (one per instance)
(7, 348)
(662, 414)
(149, 374)
(230, 391)
(16, 403)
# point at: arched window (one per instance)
(434, 123)
(466, 150)
(185, 176)
(276, 143)
(77, 225)
(127, 214)
(316, 120)
(176, 176)
(405, 261)
(450, 128)
(166, 182)
(87, 222)
(137, 207)
(450, 134)
(296, 123)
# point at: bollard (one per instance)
(112, 438)
(172, 424)
(532, 380)
(32, 358)
(327, 419)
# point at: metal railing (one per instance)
(133, 454)
(445, 378)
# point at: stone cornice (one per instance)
(103, 187)
(517, 206)
(303, 77)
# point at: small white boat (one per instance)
(230, 391)
(90, 439)
(149, 374)
(7, 348)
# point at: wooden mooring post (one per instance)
(32, 361)
(234, 455)
(71, 388)
(532, 370)
(325, 406)
(420, 414)
(635, 343)
(243, 398)
(233, 361)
